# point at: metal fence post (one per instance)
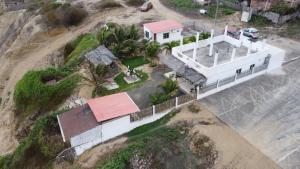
(176, 102)
(153, 109)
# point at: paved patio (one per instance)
(224, 49)
(266, 111)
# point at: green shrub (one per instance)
(193, 108)
(169, 86)
(135, 2)
(83, 44)
(222, 11)
(282, 8)
(259, 21)
(109, 4)
(184, 5)
(63, 14)
(33, 94)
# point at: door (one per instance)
(155, 37)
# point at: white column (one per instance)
(216, 59)
(211, 46)
(195, 52)
(264, 42)
(241, 35)
(197, 92)
(176, 102)
(226, 29)
(153, 109)
(181, 43)
(249, 48)
(233, 53)
(197, 38)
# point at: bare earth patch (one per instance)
(234, 152)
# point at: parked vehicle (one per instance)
(252, 33)
(203, 11)
(146, 6)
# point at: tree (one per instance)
(152, 50)
(167, 47)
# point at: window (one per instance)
(166, 35)
(239, 71)
(267, 59)
(252, 66)
(147, 34)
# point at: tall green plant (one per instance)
(152, 50)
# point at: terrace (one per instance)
(223, 49)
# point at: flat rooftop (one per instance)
(224, 49)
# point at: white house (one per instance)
(222, 61)
(163, 31)
(100, 120)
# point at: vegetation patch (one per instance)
(187, 7)
(292, 30)
(134, 62)
(135, 2)
(170, 88)
(108, 4)
(37, 150)
(259, 21)
(157, 146)
(57, 14)
(32, 94)
(282, 8)
(83, 44)
(194, 108)
(123, 85)
(222, 11)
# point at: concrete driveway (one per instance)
(266, 110)
(141, 95)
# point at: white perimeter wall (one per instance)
(174, 35)
(109, 130)
(224, 70)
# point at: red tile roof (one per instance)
(112, 106)
(163, 26)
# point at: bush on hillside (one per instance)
(32, 93)
(41, 145)
(108, 4)
(63, 14)
(135, 2)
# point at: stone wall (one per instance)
(277, 18)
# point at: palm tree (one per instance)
(152, 50)
(167, 47)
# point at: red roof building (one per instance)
(163, 26)
(163, 31)
(90, 115)
(112, 106)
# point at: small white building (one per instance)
(223, 61)
(163, 31)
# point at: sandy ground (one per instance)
(234, 152)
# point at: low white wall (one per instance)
(109, 130)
